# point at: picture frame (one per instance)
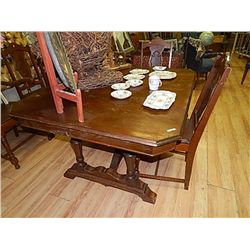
(123, 42)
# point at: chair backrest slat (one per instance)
(22, 68)
(209, 96)
(24, 60)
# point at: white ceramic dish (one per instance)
(133, 76)
(121, 94)
(135, 82)
(139, 71)
(164, 75)
(121, 85)
(159, 68)
(160, 99)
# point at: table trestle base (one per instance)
(129, 182)
(109, 177)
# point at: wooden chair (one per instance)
(20, 62)
(8, 124)
(247, 67)
(157, 47)
(196, 124)
(22, 68)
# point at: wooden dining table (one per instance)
(124, 125)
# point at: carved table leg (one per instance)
(79, 165)
(116, 159)
(132, 172)
(132, 177)
(11, 156)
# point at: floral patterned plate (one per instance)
(164, 75)
(121, 85)
(134, 76)
(160, 99)
(121, 94)
(135, 82)
(139, 71)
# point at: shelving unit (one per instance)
(242, 44)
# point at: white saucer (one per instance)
(139, 71)
(121, 94)
(135, 82)
(133, 76)
(121, 85)
(164, 75)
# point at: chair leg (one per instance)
(16, 131)
(244, 75)
(50, 136)
(11, 156)
(196, 79)
(189, 157)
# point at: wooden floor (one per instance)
(219, 185)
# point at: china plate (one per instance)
(135, 82)
(139, 71)
(121, 85)
(121, 94)
(160, 99)
(159, 68)
(133, 76)
(164, 75)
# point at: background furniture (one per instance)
(173, 59)
(200, 64)
(8, 124)
(245, 71)
(242, 44)
(22, 70)
(156, 47)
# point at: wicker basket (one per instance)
(87, 52)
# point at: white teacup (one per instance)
(154, 82)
